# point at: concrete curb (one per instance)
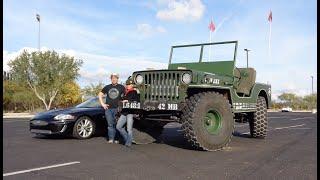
(18, 115)
(14, 117)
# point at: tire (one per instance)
(83, 128)
(146, 132)
(258, 122)
(197, 125)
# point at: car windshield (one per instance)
(90, 103)
(211, 52)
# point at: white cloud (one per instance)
(184, 10)
(98, 75)
(8, 56)
(97, 68)
(146, 30)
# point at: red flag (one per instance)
(211, 26)
(270, 16)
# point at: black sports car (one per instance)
(81, 121)
(88, 119)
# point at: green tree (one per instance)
(69, 95)
(276, 105)
(8, 90)
(92, 89)
(310, 101)
(298, 102)
(44, 73)
(18, 97)
(24, 100)
(288, 98)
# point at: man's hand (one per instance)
(105, 106)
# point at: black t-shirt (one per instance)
(114, 94)
(131, 96)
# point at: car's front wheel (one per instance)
(83, 128)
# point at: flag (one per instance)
(38, 17)
(270, 16)
(211, 26)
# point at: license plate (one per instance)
(157, 106)
(131, 105)
(167, 106)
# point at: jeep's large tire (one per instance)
(202, 113)
(258, 121)
(146, 132)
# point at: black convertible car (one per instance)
(88, 119)
(81, 121)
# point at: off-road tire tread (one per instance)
(258, 123)
(187, 119)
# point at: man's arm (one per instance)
(104, 105)
(123, 92)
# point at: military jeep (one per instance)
(205, 96)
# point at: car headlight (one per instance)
(139, 79)
(62, 117)
(186, 78)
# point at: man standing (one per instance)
(114, 93)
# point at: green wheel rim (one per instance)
(212, 122)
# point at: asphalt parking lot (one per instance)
(289, 152)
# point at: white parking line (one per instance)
(40, 168)
(301, 118)
(289, 127)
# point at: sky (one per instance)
(124, 36)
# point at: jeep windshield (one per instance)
(206, 52)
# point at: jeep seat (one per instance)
(247, 80)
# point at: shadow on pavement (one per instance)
(175, 138)
(51, 137)
(238, 134)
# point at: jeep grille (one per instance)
(163, 86)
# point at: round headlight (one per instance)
(139, 79)
(186, 78)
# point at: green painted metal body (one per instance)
(165, 86)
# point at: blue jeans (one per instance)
(111, 119)
(127, 136)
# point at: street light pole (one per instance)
(247, 50)
(38, 19)
(311, 85)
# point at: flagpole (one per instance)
(270, 40)
(210, 40)
(209, 46)
(270, 30)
